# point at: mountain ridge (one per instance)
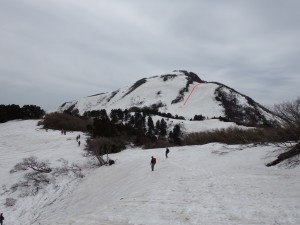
(167, 93)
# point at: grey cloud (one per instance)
(70, 49)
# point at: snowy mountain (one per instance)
(180, 93)
(196, 185)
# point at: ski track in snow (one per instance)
(208, 184)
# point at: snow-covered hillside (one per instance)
(157, 90)
(197, 126)
(209, 184)
(180, 93)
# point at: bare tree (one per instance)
(99, 148)
(289, 112)
(34, 164)
(40, 174)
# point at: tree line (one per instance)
(13, 112)
(138, 124)
(114, 131)
(111, 133)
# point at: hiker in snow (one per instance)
(78, 143)
(153, 162)
(167, 152)
(1, 218)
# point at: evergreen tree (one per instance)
(113, 116)
(199, 117)
(131, 121)
(157, 127)
(103, 115)
(116, 115)
(3, 114)
(120, 114)
(163, 128)
(12, 112)
(103, 127)
(171, 136)
(176, 134)
(139, 122)
(150, 124)
(32, 112)
(126, 115)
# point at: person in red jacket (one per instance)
(153, 162)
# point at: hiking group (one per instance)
(153, 159)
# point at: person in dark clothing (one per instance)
(78, 139)
(167, 152)
(153, 162)
(1, 218)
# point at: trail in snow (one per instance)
(191, 93)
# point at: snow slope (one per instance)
(156, 91)
(22, 139)
(172, 93)
(208, 184)
(188, 126)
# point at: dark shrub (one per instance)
(104, 145)
(239, 136)
(58, 121)
(159, 143)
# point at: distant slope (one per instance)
(169, 92)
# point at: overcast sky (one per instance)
(53, 51)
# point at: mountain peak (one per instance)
(180, 93)
(191, 76)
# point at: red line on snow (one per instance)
(191, 93)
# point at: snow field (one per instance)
(193, 186)
(22, 139)
(199, 185)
